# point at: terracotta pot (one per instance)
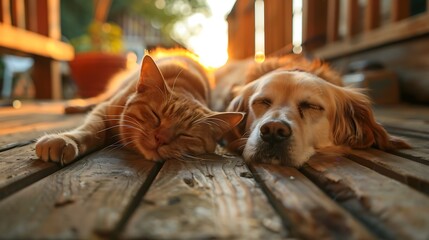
(92, 71)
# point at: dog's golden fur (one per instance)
(296, 108)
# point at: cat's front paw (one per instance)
(57, 148)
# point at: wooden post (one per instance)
(101, 9)
(333, 16)
(353, 18)
(400, 10)
(278, 25)
(46, 73)
(5, 12)
(31, 15)
(372, 15)
(314, 21)
(18, 13)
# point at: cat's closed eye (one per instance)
(156, 117)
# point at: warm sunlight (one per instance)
(211, 42)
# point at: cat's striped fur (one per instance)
(161, 114)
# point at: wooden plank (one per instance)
(415, 125)
(32, 120)
(17, 40)
(400, 9)
(409, 172)
(405, 29)
(387, 207)
(310, 213)
(403, 111)
(84, 200)
(206, 198)
(20, 167)
(419, 143)
(372, 15)
(30, 131)
(333, 18)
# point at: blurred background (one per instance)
(52, 49)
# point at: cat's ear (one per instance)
(225, 121)
(150, 76)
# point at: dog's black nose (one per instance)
(275, 131)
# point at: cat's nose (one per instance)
(163, 136)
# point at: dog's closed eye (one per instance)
(307, 106)
(265, 102)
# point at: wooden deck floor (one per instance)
(117, 194)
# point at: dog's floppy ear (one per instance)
(240, 103)
(354, 123)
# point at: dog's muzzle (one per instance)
(275, 131)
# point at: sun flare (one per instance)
(211, 43)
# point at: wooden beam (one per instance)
(333, 16)
(372, 15)
(26, 42)
(400, 9)
(407, 28)
(5, 12)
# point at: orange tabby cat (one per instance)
(161, 114)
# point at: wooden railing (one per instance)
(363, 26)
(32, 28)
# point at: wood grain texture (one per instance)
(389, 208)
(23, 129)
(420, 146)
(206, 198)
(409, 172)
(20, 167)
(84, 200)
(32, 120)
(310, 213)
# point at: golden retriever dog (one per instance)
(296, 108)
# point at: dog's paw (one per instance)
(57, 148)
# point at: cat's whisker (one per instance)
(175, 79)
(122, 125)
(122, 143)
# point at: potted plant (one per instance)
(99, 55)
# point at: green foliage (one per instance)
(76, 15)
(77, 19)
(165, 13)
(102, 37)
